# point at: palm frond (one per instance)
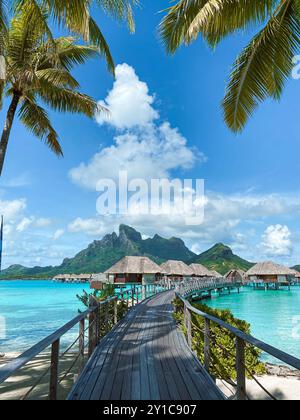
(66, 100)
(97, 38)
(35, 118)
(121, 10)
(58, 77)
(218, 18)
(176, 23)
(263, 67)
(214, 19)
(37, 13)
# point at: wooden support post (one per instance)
(240, 369)
(94, 325)
(188, 325)
(127, 299)
(106, 317)
(116, 311)
(54, 371)
(207, 345)
(132, 297)
(81, 345)
(144, 292)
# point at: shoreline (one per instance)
(279, 371)
(285, 385)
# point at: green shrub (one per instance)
(223, 343)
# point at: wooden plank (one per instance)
(143, 358)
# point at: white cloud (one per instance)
(24, 224)
(43, 222)
(19, 181)
(144, 147)
(277, 241)
(129, 101)
(11, 209)
(152, 153)
(92, 226)
(58, 234)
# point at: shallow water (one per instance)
(31, 310)
(274, 315)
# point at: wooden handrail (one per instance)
(53, 340)
(16, 364)
(273, 351)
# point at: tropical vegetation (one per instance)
(38, 71)
(35, 67)
(262, 68)
(223, 346)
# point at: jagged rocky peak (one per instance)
(128, 233)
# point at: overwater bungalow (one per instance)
(236, 276)
(72, 278)
(269, 273)
(200, 271)
(216, 274)
(98, 281)
(134, 270)
(297, 276)
(176, 270)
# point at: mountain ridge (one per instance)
(102, 254)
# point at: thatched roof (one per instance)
(235, 275)
(216, 274)
(297, 274)
(176, 268)
(200, 271)
(270, 268)
(135, 265)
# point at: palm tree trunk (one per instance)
(7, 128)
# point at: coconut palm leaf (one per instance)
(39, 72)
(263, 67)
(35, 118)
(75, 14)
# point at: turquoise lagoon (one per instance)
(274, 315)
(34, 309)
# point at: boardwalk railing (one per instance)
(199, 285)
(242, 340)
(93, 325)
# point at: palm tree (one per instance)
(39, 71)
(76, 16)
(3, 29)
(262, 68)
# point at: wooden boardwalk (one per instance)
(145, 357)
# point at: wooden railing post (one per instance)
(94, 325)
(240, 369)
(144, 292)
(81, 345)
(54, 371)
(207, 345)
(106, 317)
(188, 325)
(116, 311)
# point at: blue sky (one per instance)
(251, 180)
